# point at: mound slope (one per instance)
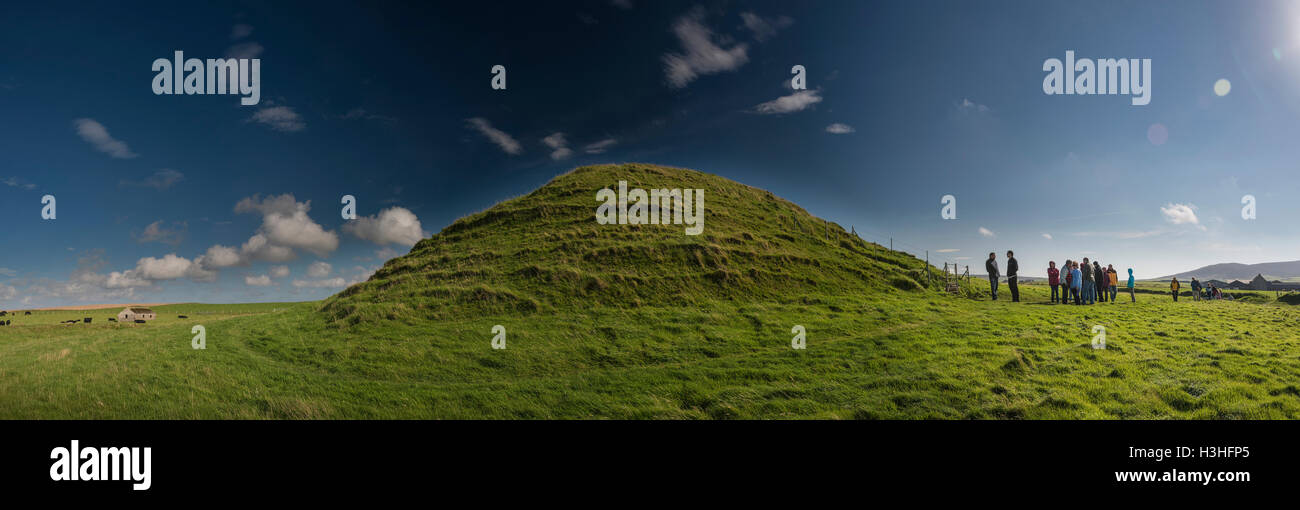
(544, 253)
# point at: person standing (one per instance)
(1100, 277)
(1053, 280)
(1196, 289)
(1065, 282)
(1089, 286)
(991, 266)
(1173, 287)
(1012, 268)
(1131, 295)
(1112, 280)
(1076, 281)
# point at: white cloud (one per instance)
(986, 232)
(164, 179)
(795, 102)
(764, 28)
(839, 129)
(363, 114)
(701, 55)
(279, 271)
(966, 105)
(17, 182)
(392, 225)
(279, 118)
(160, 180)
(599, 147)
(1047, 236)
(125, 279)
(169, 267)
(560, 145)
(244, 50)
(503, 140)
(92, 131)
(337, 281)
(1181, 214)
(948, 250)
(285, 226)
(259, 248)
(319, 269)
(219, 256)
(157, 232)
(257, 281)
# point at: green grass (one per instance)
(628, 322)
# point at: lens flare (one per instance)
(1222, 87)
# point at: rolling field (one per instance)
(643, 322)
(905, 354)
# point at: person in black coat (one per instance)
(1012, 268)
(991, 266)
(1099, 276)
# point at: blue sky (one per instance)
(393, 105)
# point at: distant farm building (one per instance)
(1256, 283)
(136, 314)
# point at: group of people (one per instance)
(1084, 283)
(1199, 291)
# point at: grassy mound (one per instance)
(544, 253)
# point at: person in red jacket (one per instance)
(1053, 279)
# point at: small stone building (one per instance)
(131, 314)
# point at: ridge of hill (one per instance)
(1245, 272)
(545, 252)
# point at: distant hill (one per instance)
(1244, 272)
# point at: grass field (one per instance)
(905, 354)
(616, 322)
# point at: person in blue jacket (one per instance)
(1131, 295)
(1076, 282)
